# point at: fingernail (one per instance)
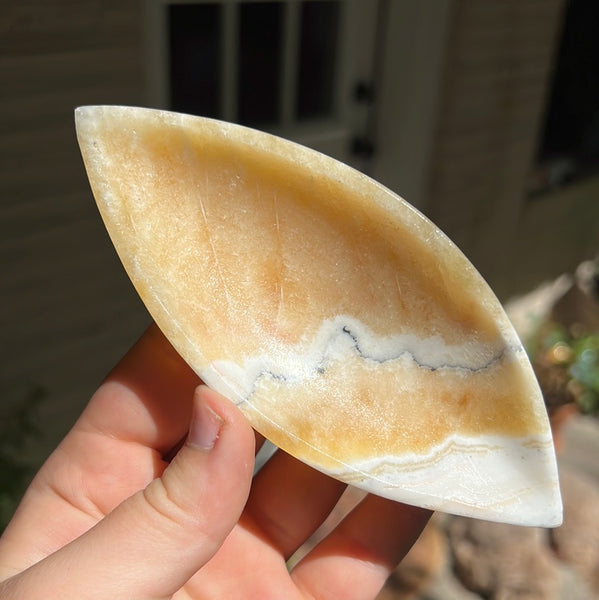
(205, 424)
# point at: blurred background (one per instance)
(483, 114)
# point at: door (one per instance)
(302, 69)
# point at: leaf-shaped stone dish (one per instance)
(350, 331)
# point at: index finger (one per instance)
(357, 557)
(115, 448)
(154, 399)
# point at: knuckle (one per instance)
(169, 506)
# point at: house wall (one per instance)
(68, 311)
(498, 69)
(413, 38)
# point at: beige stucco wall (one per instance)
(498, 69)
(68, 311)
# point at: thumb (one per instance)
(153, 542)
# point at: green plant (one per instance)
(576, 354)
(585, 371)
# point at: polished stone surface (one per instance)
(349, 329)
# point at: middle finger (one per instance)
(289, 501)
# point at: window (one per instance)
(262, 64)
(569, 147)
(194, 58)
(259, 63)
(317, 59)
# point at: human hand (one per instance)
(150, 496)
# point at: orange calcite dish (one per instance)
(349, 330)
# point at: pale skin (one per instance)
(151, 496)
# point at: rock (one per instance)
(576, 542)
(503, 562)
(419, 568)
